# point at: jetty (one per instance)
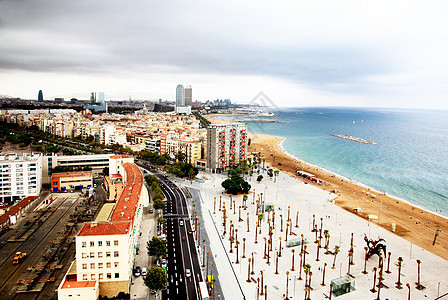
(359, 140)
(260, 121)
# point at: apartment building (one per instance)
(226, 145)
(20, 176)
(192, 150)
(106, 247)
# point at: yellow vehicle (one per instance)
(19, 257)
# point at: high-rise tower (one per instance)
(180, 96)
(40, 97)
(188, 95)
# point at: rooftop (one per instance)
(121, 156)
(71, 174)
(104, 228)
(74, 284)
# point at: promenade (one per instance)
(288, 196)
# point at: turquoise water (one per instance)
(409, 161)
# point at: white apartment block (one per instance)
(226, 145)
(20, 176)
(105, 248)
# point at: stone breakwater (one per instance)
(347, 137)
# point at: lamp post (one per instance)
(365, 261)
(297, 219)
(248, 270)
(373, 290)
(287, 280)
(276, 264)
(323, 275)
(292, 267)
(244, 248)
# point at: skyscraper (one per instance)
(92, 98)
(188, 95)
(40, 97)
(100, 98)
(180, 96)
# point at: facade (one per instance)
(191, 149)
(180, 95)
(188, 95)
(226, 145)
(106, 248)
(96, 161)
(70, 181)
(20, 176)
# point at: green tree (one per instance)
(156, 247)
(235, 185)
(259, 178)
(156, 279)
(158, 203)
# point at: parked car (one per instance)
(151, 211)
(137, 271)
(144, 271)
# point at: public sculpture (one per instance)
(375, 247)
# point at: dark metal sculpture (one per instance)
(375, 247)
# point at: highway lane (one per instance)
(183, 254)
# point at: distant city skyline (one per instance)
(298, 53)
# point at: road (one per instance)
(181, 248)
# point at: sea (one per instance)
(409, 159)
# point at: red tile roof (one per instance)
(104, 228)
(122, 215)
(71, 174)
(74, 284)
(15, 209)
(127, 203)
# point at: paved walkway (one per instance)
(285, 192)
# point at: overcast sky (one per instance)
(298, 52)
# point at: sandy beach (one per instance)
(414, 224)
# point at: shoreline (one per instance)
(378, 192)
(414, 223)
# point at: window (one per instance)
(92, 266)
(92, 276)
(84, 255)
(115, 243)
(55, 183)
(108, 254)
(108, 265)
(117, 275)
(84, 244)
(84, 266)
(92, 244)
(92, 254)
(84, 276)
(107, 243)
(109, 275)
(100, 254)
(100, 243)
(116, 264)
(100, 265)
(115, 253)
(100, 276)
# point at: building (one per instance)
(20, 176)
(226, 145)
(188, 95)
(106, 248)
(96, 161)
(180, 96)
(191, 149)
(71, 181)
(40, 96)
(100, 98)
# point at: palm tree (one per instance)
(335, 253)
(260, 218)
(307, 270)
(244, 200)
(276, 174)
(327, 236)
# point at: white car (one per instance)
(144, 271)
(187, 273)
(181, 223)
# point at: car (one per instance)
(151, 211)
(137, 271)
(187, 273)
(181, 223)
(144, 271)
(163, 262)
(183, 238)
